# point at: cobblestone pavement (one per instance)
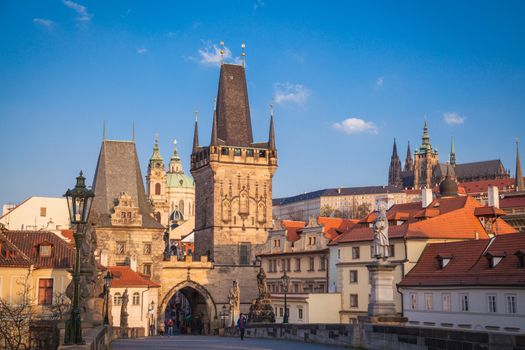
(213, 343)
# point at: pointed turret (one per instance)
(409, 163)
(156, 151)
(394, 172)
(452, 154)
(196, 134)
(425, 139)
(271, 136)
(214, 141)
(518, 181)
(175, 163)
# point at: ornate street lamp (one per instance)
(79, 201)
(107, 285)
(285, 281)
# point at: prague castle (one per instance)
(425, 170)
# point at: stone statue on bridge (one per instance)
(261, 309)
(234, 298)
(381, 243)
(124, 310)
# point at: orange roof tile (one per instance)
(333, 227)
(293, 229)
(124, 276)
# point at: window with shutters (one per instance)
(45, 291)
(245, 253)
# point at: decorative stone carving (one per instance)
(261, 310)
(381, 243)
(126, 213)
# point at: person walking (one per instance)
(241, 324)
(170, 327)
(161, 328)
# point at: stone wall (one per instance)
(387, 337)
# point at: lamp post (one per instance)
(79, 201)
(107, 285)
(285, 281)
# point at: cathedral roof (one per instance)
(118, 171)
(483, 168)
(179, 180)
(233, 110)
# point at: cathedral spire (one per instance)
(452, 153)
(214, 126)
(196, 134)
(518, 181)
(425, 140)
(271, 136)
(409, 163)
(394, 172)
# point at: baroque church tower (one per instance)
(425, 159)
(394, 172)
(233, 178)
(156, 183)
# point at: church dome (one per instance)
(179, 180)
(448, 187)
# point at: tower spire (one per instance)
(156, 151)
(271, 136)
(104, 130)
(452, 153)
(426, 138)
(409, 163)
(394, 172)
(518, 181)
(196, 134)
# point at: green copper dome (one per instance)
(180, 180)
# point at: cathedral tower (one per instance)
(409, 163)
(425, 159)
(394, 172)
(233, 178)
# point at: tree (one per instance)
(326, 211)
(15, 320)
(362, 210)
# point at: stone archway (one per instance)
(199, 298)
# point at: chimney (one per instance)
(493, 196)
(426, 197)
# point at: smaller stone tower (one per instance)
(425, 159)
(156, 183)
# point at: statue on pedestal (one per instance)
(124, 310)
(234, 299)
(381, 243)
(261, 309)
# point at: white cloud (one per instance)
(258, 4)
(44, 22)
(452, 118)
(380, 82)
(293, 93)
(210, 55)
(81, 10)
(355, 125)
(142, 50)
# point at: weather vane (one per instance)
(222, 52)
(243, 54)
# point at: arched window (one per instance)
(136, 298)
(157, 188)
(181, 206)
(117, 299)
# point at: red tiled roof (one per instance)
(488, 211)
(452, 218)
(333, 227)
(293, 229)
(124, 276)
(512, 202)
(62, 254)
(11, 256)
(469, 265)
(474, 187)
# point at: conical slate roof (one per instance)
(118, 171)
(234, 125)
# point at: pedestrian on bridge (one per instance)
(241, 324)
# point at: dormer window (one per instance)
(494, 259)
(44, 250)
(443, 260)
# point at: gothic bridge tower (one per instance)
(233, 178)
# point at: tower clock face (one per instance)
(157, 165)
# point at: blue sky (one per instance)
(345, 78)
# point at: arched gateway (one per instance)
(190, 306)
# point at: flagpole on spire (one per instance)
(133, 132)
(243, 54)
(104, 130)
(221, 51)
